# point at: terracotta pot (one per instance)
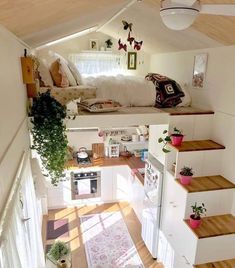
(176, 139)
(185, 180)
(194, 223)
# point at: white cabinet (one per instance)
(155, 148)
(137, 197)
(121, 186)
(107, 184)
(115, 183)
(59, 196)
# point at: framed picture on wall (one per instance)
(94, 44)
(199, 70)
(131, 60)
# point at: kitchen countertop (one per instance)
(133, 162)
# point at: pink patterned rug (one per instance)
(108, 243)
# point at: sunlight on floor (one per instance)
(75, 238)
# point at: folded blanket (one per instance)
(168, 92)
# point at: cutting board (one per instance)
(98, 150)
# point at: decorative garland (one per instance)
(137, 45)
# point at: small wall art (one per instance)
(94, 44)
(199, 70)
(131, 61)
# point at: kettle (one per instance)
(82, 154)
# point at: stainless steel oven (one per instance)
(85, 184)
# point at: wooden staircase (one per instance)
(211, 245)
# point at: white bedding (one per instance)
(127, 90)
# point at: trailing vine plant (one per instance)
(49, 135)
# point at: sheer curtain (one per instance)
(22, 245)
(97, 62)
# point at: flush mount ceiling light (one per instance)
(178, 17)
(180, 14)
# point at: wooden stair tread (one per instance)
(207, 183)
(215, 226)
(201, 145)
(186, 111)
(220, 264)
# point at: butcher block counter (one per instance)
(133, 162)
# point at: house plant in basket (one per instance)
(186, 174)
(177, 137)
(195, 218)
(59, 254)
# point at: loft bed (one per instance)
(130, 116)
(139, 100)
(125, 116)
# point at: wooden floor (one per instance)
(75, 236)
(207, 183)
(219, 264)
(215, 226)
(202, 145)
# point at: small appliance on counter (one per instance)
(83, 157)
(125, 153)
(114, 148)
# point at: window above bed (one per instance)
(97, 62)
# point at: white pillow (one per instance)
(72, 81)
(75, 72)
(44, 73)
(186, 100)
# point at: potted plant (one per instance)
(195, 218)
(59, 254)
(177, 137)
(109, 43)
(49, 135)
(186, 174)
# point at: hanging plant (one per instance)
(49, 136)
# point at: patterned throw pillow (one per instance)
(58, 74)
(168, 92)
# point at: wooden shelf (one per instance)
(208, 183)
(220, 264)
(202, 145)
(215, 226)
(144, 143)
(186, 111)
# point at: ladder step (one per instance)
(220, 264)
(215, 226)
(201, 145)
(207, 183)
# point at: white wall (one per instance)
(218, 93)
(13, 129)
(79, 44)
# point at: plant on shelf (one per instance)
(186, 174)
(109, 43)
(195, 218)
(49, 136)
(58, 251)
(175, 138)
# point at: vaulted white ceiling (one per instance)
(40, 21)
